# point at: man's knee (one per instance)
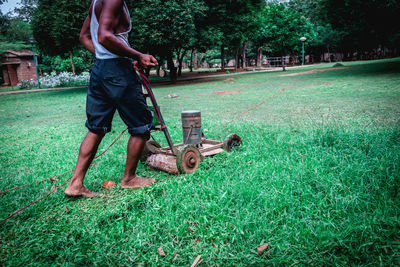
(145, 136)
(97, 136)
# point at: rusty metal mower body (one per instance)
(184, 157)
(188, 157)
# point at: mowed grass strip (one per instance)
(317, 176)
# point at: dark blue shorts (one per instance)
(114, 85)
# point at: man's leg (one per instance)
(87, 152)
(130, 180)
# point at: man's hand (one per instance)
(146, 61)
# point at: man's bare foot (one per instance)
(136, 182)
(80, 192)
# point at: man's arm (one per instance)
(110, 14)
(85, 36)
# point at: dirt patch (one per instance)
(311, 71)
(228, 80)
(226, 92)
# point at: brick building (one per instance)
(17, 66)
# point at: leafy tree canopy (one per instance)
(283, 28)
(26, 9)
(14, 33)
(365, 23)
(165, 25)
(230, 23)
(57, 24)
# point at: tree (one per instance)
(19, 30)
(167, 28)
(365, 24)
(57, 24)
(230, 24)
(5, 22)
(14, 33)
(327, 38)
(26, 9)
(283, 28)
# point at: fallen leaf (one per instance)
(190, 229)
(161, 252)
(214, 245)
(196, 261)
(163, 192)
(198, 240)
(108, 184)
(261, 249)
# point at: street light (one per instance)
(303, 39)
(35, 60)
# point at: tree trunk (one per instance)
(259, 57)
(160, 64)
(282, 60)
(244, 55)
(180, 62)
(329, 54)
(222, 57)
(171, 67)
(72, 63)
(191, 61)
(236, 58)
(195, 64)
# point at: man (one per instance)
(114, 85)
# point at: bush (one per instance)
(64, 79)
(82, 62)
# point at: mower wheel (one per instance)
(149, 148)
(188, 159)
(231, 141)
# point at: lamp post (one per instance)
(303, 39)
(35, 61)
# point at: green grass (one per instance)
(317, 176)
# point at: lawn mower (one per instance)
(184, 157)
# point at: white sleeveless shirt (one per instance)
(101, 51)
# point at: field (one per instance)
(317, 177)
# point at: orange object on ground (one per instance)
(108, 184)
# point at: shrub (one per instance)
(64, 79)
